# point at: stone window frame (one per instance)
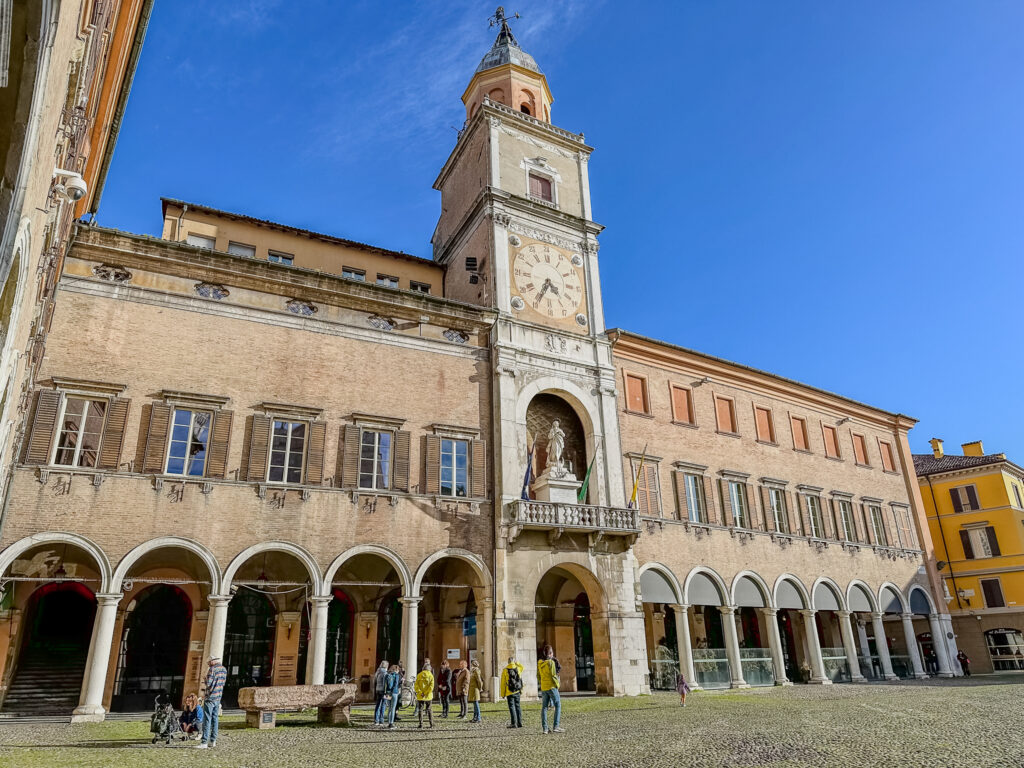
(813, 492)
(539, 166)
(309, 415)
(83, 389)
(645, 391)
(728, 477)
(471, 437)
(770, 484)
(773, 435)
(864, 444)
(882, 444)
(195, 402)
(682, 470)
(379, 424)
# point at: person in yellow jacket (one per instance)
(424, 690)
(547, 678)
(512, 689)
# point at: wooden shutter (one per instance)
(113, 433)
(859, 523)
(635, 400)
(156, 438)
(349, 456)
(653, 491)
(259, 449)
(682, 409)
(831, 442)
(792, 512)
(860, 450)
(220, 440)
(432, 464)
(992, 542)
(887, 458)
(972, 497)
(799, 427)
(44, 422)
(479, 449)
(993, 592)
(766, 507)
(709, 502)
(401, 464)
(315, 453)
(679, 483)
(832, 521)
(805, 515)
(954, 495)
(724, 415)
(965, 539)
(869, 531)
(892, 527)
(763, 418)
(728, 516)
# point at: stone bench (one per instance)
(262, 704)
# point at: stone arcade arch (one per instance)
(572, 617)
(53, 582)
(662, 601)
(829, 612)
(862, 605)
(751, 597)
(898, 630)
(712, 617)
(791, 604)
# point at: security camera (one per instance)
(74, 188)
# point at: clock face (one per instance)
(546, 279)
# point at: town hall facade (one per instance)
(306, 454)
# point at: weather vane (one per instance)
(499, 17)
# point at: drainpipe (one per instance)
(945, 549)
(177, 229)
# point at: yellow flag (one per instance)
(636, 479)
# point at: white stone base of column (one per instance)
(739, 685)
(945, 674)
(86, 714)
(858, 679)
(921, 675)
(783, 683)
(819, 681)
(890, 677)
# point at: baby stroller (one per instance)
(164, 723)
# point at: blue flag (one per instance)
(529, 474)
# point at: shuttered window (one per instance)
(979, 542)
(888, 457)
(375, 460)
(814, 516)
(647, 495)
(765, 427)
(454, 467)
(738, 502)
(777, 501)
(993, 592)
(904, 529)
(696, 503)
(725, 414)
(682, 405)
(189, 442)
(877, 525)
(81, 431)
(831, 441)
(964, 498)
(799, 427)
(541, 187)
(636, 394)
(846, 520)
(288, 441)
(860, 450)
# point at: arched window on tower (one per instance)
(525, 108)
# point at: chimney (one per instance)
(936, 444)
(973, 449)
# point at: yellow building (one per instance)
(975, 506)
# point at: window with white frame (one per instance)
(814, 516)
(278, 257)
(188, 443)
(777, 501)
(200, 241)
(375, 459)
(877, 525)
(419, 287)
(695, 502)
(454, 467)
(738, 501)
(242, 249)
(352, 273)
(846, 520)
(287, 451)
(388, 281)
(81, 430)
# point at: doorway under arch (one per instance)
(153, 652)
(248, 643)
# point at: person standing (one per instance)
(965, 663)
(444, 686)
(682, 687)
(425, 693)
(547, 677)
(476, 686)
(512, 689)
(462, 687)
(379, 704)
(392, 692)
(216, 675)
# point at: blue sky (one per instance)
(833, 192)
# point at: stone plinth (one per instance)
(561, 490)
(262, 704)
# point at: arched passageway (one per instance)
(571, 619)
(861, 605)
(826, 603)
(453, 614)
(153, 652)
(789, 601)
(248, 643)
(710, 660)
(752, 631)
(903, 653)
(338, 660)
(660, 628)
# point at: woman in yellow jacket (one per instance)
(424, 690)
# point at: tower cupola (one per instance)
(509, 75)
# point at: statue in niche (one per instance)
(556, 447)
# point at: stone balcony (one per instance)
(557, 519)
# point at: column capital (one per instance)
(811, 612)
(410, 600)
(321, 599)
(769, 611)
(216, 600)
(727, 610)
(843, 614)
(877, 615)
(933, 616)
(109, 598)
(907, 616)
(679, 606)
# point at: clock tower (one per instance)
(516, 234)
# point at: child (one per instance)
(683, 687)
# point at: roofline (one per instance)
(953, 470)
(145, 14)
(165, 201)
(614, 334)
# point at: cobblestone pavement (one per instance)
(930, 723)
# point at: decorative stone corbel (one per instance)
(305, 494)
(207, 488)
(158, 483)
(261, 490)
(44, 476)
(555, 534)
(97, 479)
